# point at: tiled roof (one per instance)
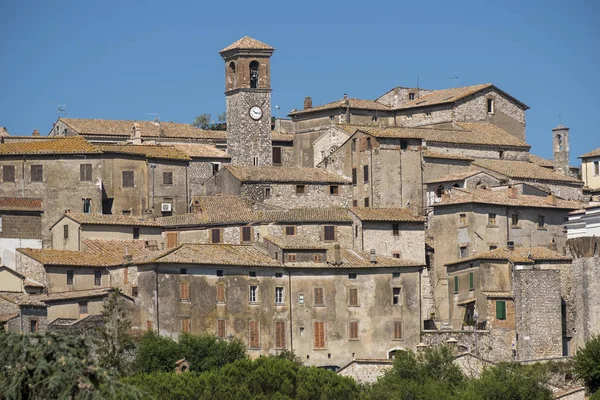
(67, 145)
(498, 295)
(73, 258)
(149, 129)
(7, 317)
(77, 294)
(135, 247)
(194, 150)
(110, 219)
(518, 255)
(455, 177)
(23, 299)
(247, 43)
(20, 204)
(356, 259)
(445, 156)
(31, 283)
(149, 151)
(321, 214)
(524, 170)
(214, 210)
(343, 103)
(542, 162)
(217, 254)
(386, 214)
(445, 96)
(593, 153)
(281, 137)
(497, 197)
(285, 175)
(296, 242)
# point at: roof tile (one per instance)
(524, 170)
(148, 151)
(111, 219)
(500, 197)
(247, 43)
(20, 204)
(386, 214)
(66, 145)
(73, 258)
(518, 255)
(285, 175)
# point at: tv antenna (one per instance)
(155, 115)
(417, 78)
(455, 79)
(61, 109)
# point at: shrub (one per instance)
(587, 364)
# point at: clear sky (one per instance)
(129, 59)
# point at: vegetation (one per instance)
(587, 364)
(204, 121)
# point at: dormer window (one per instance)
(411, 96)
(490, 106)
(254, 74)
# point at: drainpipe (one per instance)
(291, 315)
(157, 310)
(371, 173)
(23, 178)
(507, 227)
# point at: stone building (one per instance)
(323, 308)
(22, 313)
(590, 172)
(20, 226)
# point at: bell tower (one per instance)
(248, 97)
(560, 144)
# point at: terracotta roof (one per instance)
(214, 210)
(445, 96)
(455, 177)
(296, 243)
(281, 137)
(518, 255)
(523, 170)
(110, 219)
(73, 258)
(497, 197)
(285, 175)
(217, 254)
(321, 214)
(446, 156)
(135, 247)
(343, 103)
(7, 317)
(23, 299)
(593, 153)
(201, 150)
(386, 214)
(247, 43)
(149, 129)
(77, 294)
(542, 162)
(31, 283)
(67, 145)
(356, 259)
(148, 151)
(499, 295)
(20, 204)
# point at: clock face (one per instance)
(256, 113)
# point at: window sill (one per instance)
(463, 226)
(515, 227)
(353, 339)
(318, 305)
(353, 305)
(319, 348)
(542, 229)
(254, 303)
(184, 301)
(398, 339)
(492, 226)
(279, 304)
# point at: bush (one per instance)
(587, 364)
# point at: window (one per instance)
(215, 168)
(462, 252)
(439, 191)
(167, 178)
(596, 169)
(125, 275)
(514, 219)
(291, 257)
(408, 116)
(290, 230)
(255, 161)
(396, 229)
(329, 232)
(254, 74)
(456, 287)
(353, 145)
(366, 173)
(221, 328)
(171, 239)
(276, 155)
(396, 296)
(317, 258)
(491, 219)
(353, 330)
(396, 275)
(252, 274)
(403, 144)
(33, 325)
(246, 234)
(97, 278)
(334, 190)
(500, 309)
(301, 298)
(300, 189)
(369, 144)
(66, 231)
(85, 172)
(319, 341)
(354, 203)
(278, 295)
(354, 180)
(70, 275)
(215, 235)
(37, 173)
(8, 173)
(366, 201)
(541, 221)
(493, 247)
(183, 271)
(134, 291)
(83, 307)
(355, 230)
(267, 193)
(127, 177)
(219, 272)
(279, 334)
(471, 281)
(253, 335)
(184, 291)
(87, 206)
(397, 330)
(319, 299)
(396, 254)
(253, 294)
(136, 233)
(353, 297)
(427, 114)
(127, 212)
(186, 324)
(278, 274)
(411, 96)
(490, 106)
(352, 275)
(220, 293)
(463, 220)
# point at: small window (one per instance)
(276, 155)
(354, 203)
(246, 234)
(353, 145)
(352, 276)
(493, 247)
(278, 295)
(8, 173)
(463, 220)
(220, 293)
(33, 325)
(278, 274)
(334, 190)
(184, 291)
(267, 193)
(355, 231)
(128, 179)
(85, 172)
(408, 116)
(183, 271)
(403, 144)
(126, 275)
(514, 219)
(319, 339)
(411, 96)
(354, 180)
(541, 221)
(136, 233)
(167, 178)
(83, 307)
(490, 106)
(366, 173)
(134, 291)
(439, 191)
(396, 296)
(456, 287)
(463, 252)
(255, 161)
(300, 189)
(219, 272)
(353, 297)
(471, 281)
(186, 324)
(253, 335)
(396, 254)
(329, 233)
(279, 335)
(126, 212)
(397, 330)
(500, 309)
(97, 278)
(596, 169)
(253, 294)
(353, 330)
(87, 206)
(301, 298)
(317, 258)
(319, 299)
(396, 229)
(221, 328)
(215, 235)
(491, 219)
(291, 257)
(70, 275)
(37, 173)
(290, 230)
(427, 114)
(395, 274)
(215, 168)
(366, 201)
(66, 231)
(252, 274)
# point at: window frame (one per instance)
(365, 174)
(184, 291)
(332, 233)
(471, 281)
(277, 150)
(127, 179)
(501, 310)
(398, 330)
(300, 189)
(319, 335)
(253, 334)
(244, 230)
(353, 299)
(97, 278)
(83, 307)
(220, 293)
(253, 294)
(8, 171)
(217, 231)
(456, 284)
(221, 328)
(396, 296)
(541, 221)
(85, 172)
(70, 277)
(318, 296)
(354, 177)
(37, 173)
(280, 334)
(353, 330)
(279, 295)
(491, 219)
(186, 324)
(167, 178)
(334, 190)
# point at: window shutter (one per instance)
(280, 335)
(8, 173)
(221, 328)
(216, 235)
(254, 338)
(353, 296)
(276, 155)
(500, 309)
(125, 275)
(353, 330)
(171, 239)
(319, 301)
(185, 295)
(246, 234)
(366, 173)
(329, 232)
(456, 284)
(397, 330)
(471, 281)
(319, 339)
(186, 324)
(220, 293)
(354, 176)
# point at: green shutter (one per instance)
(456, 284)
(471, 281)
(500, 309)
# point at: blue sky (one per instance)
(127, 60)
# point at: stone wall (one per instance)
(409, 243)
(284, 196)
(313, 231)
(425, 116)
(493, 346)
(29, 267)
(327, 143)
(366, 371)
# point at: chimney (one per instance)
(197, 207)
(307, 102)
(511, 192)
(373, 256)
(136, 134)
(510, 245)
(127, 258)
(337, 254)
(35, 132)
(345, 96)
(551, 199)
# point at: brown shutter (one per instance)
(246, 234)
(276, 155)
(186, 324)
(397, 330)
(319, 301)
(171, 239)
(319, 335)
(8, 173)
(185, 294)
(221, 328)
(329, 232)
(220, 293)
(353, 294)
(126, 275)
(216, 235)
(353, 330)
(280, 335)
(254, 335)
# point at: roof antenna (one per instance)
(156, 118)
(60, 108)
(417, 78)
(455, 79)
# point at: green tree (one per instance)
(53, 366)
(587, 364)
(156, 353)
(204, 121)
(115, 347)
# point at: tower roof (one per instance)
(247, 43)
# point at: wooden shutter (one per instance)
(85, 172)
(246, 234)
(8, 173)
(276, 155)
(167, 178)
(290, 230)
(220, 293)
(128, 180)
(184, 291)
(186, 324)
(397, 330)
(354, 176)
(366, 173)
(353, 296)
(471, 281)
(125, 275)
(329, 232)
(221, 328)
(319, 335)
(148, 325)
(37, 173)
(254, 339)
(500, 309)
(280, 335)
(319, 300)
(171, 239)
(215, 235)
(353, 330)
(456, 284)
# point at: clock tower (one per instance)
(248, 96)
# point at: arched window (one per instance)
(232, 73)
(559, 139)
(439, 191)
(456, 185)
(254, 74)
